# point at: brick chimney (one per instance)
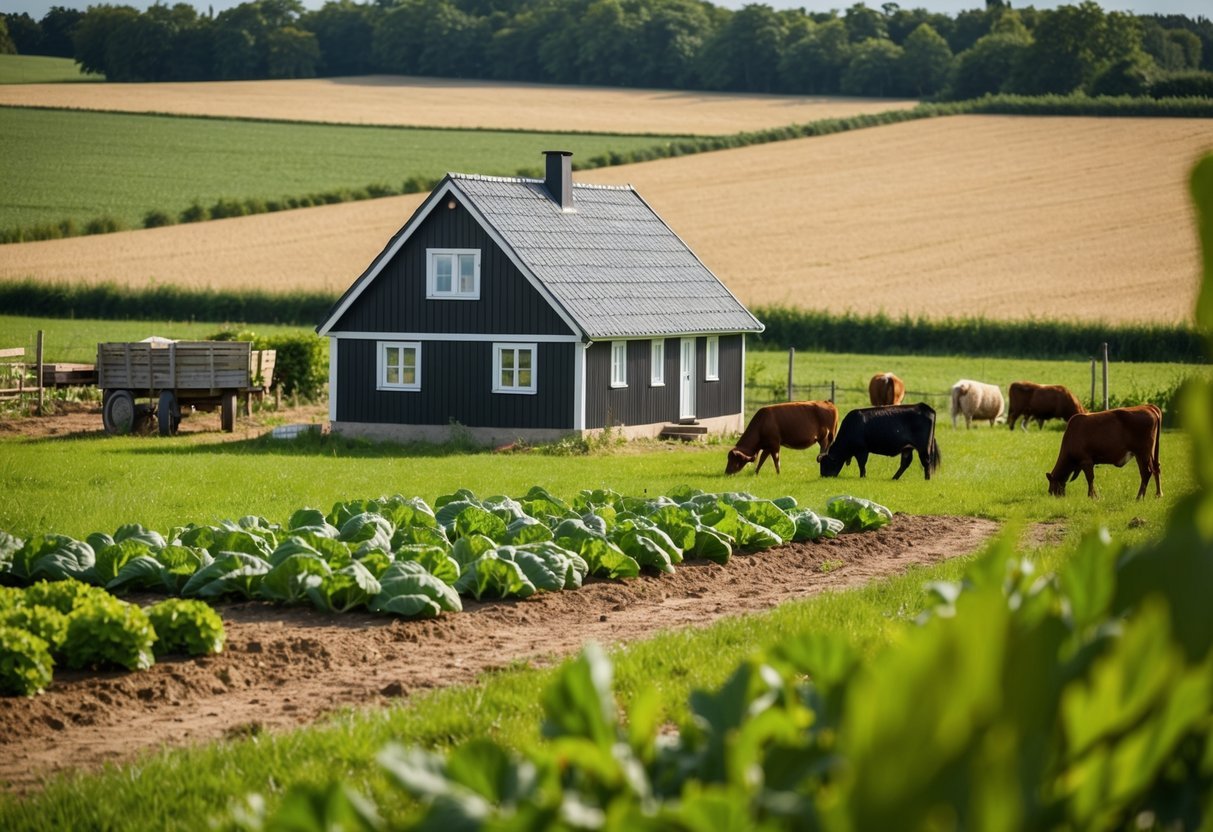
(559, 177)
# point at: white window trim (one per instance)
(711, 361)
(381, 368)
(431, 289)
(657, 363)
(498, 348)
(620, 380)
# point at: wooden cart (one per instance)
(176, 377)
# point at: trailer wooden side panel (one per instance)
(184, 365)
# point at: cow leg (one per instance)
(861, 459)
(1143, 468)
(775, 459)
(907, 457)
(924, 457)
(1088, 468)
(968, 421)
(1157, 469)
(762, 457)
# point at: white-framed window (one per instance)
(619, 363)
(514, 368)
(657, 363)
(711, 370)
(452, 274)
(399, 365)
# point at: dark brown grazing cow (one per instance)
(1110, 437)
(797, 425)
(886, 389)
(1041, 402)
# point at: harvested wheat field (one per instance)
(1007, 217)
(442, 102)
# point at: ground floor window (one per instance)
(657, 363)
(399, 365)
(711, 370)
(619, 363)
(514, 368)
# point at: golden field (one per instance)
(439, 102)
(1001, 216)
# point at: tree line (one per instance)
(677, 44)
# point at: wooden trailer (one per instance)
(176, 377)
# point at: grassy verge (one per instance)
(41, 69)
(84, 166)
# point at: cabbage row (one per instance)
(398, 556)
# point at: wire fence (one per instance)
(757, 395)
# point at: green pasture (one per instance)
(930, 378)
(41, 69)
(82, 165)
(75, 340)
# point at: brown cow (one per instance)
(1041, 402)
(797, 425)
(886, 389)
(1109, 437)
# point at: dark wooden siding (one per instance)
(456, 383)
(640, 404)
(395, 301)
(719, 398)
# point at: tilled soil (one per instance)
(288, 667)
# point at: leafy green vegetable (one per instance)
(494, 577)
(768, 515)
(53, 557)
(436, 561)
(59, 595)
(46, 623)
(104, 632)
(858, 514)
(345, 589)
(526, 530)
(112, 558)
(25, 663)
(231, 573)
(189, 627)
(289, 581)
(409, 591)
(476, 520)
(142, 572)
(136, 532)
(368, 528)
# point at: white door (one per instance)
(686, 380)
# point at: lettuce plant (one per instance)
(25, 662)
(189, 627)
(105, 632)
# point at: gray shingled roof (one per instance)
(611, 263)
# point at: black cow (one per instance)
(888, 431)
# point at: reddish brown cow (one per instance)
(1110, 437)
(1041, 402)
(886, 389)
(797, 425)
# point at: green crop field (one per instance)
(41, 69)
(75, 340)
(80, 165)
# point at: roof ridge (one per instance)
(529, 181)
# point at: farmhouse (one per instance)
(533, 309)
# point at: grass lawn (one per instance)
(41, 69)
(82, 165)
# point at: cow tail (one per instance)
(933, 454)
(1157, 435)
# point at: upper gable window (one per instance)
(452, 274)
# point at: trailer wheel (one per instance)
(168, 414)
(118, 412)
(227, 411)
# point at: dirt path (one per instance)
(288, 667)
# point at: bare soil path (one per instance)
(289, 667)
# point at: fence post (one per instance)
(1104, 348)
(832, 398)
(1092, 382)
(791, 366)
(40, 390)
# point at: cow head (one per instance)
(1057, 485)
(737, 460)
(830, 466)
